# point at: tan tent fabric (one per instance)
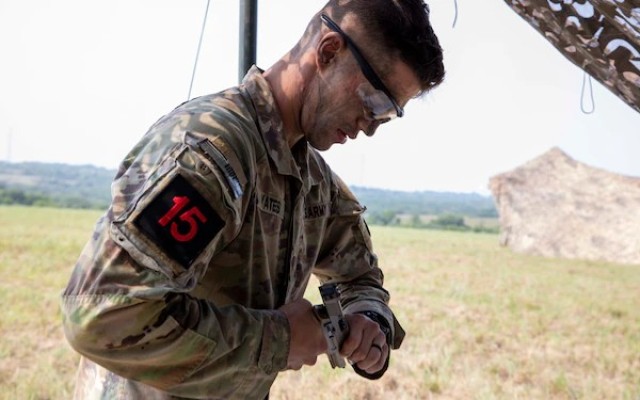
(600, 36)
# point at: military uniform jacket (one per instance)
(215, 223)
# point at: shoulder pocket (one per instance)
(178, 222)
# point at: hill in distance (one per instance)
(56, 185)
(88, 186)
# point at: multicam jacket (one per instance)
(215, 223)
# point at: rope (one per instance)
(195, 64)
(455, 15)
(586, 78)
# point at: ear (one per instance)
(328, 48)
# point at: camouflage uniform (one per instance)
(215, 223)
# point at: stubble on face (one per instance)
(328, 112)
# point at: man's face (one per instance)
(346, 98)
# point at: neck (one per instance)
(288, 80)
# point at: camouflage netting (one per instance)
(555, 206)
(600, 36)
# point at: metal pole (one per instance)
(248, 36)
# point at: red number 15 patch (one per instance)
(180, 221)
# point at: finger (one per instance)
(294, 366)
(310, 361)
(381, 361)
(377, 346)
(369, 338)
(363, 352)
(375, 359)
(298, 364)
(351, 342)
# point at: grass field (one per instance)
(481, 321)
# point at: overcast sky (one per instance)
(82, 80)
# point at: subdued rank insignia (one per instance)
(180, 221)
(217, 157)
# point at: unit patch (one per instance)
(180, 221)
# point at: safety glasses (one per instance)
(379, 101)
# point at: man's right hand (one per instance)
(307, 339)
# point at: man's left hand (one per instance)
(366, 344)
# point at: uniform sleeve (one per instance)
(347, 258)
(128, 306)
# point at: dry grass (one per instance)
(482, 322)
(38, 247)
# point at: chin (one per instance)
(327, 147)
(321, 146)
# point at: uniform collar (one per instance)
(301, 161)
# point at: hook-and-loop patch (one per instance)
(180, 221)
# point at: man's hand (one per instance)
(307, 339)
(366, 345)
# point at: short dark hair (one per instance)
(400, 26)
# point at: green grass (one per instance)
(38, 248)
(482, 322)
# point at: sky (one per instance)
(81, 82)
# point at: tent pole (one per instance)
(248, 36)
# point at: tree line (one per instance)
(10, 196)
(87, 186)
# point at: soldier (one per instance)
(192, 283)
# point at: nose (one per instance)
(370, 127)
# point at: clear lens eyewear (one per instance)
(376, 103)
(380, 102)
